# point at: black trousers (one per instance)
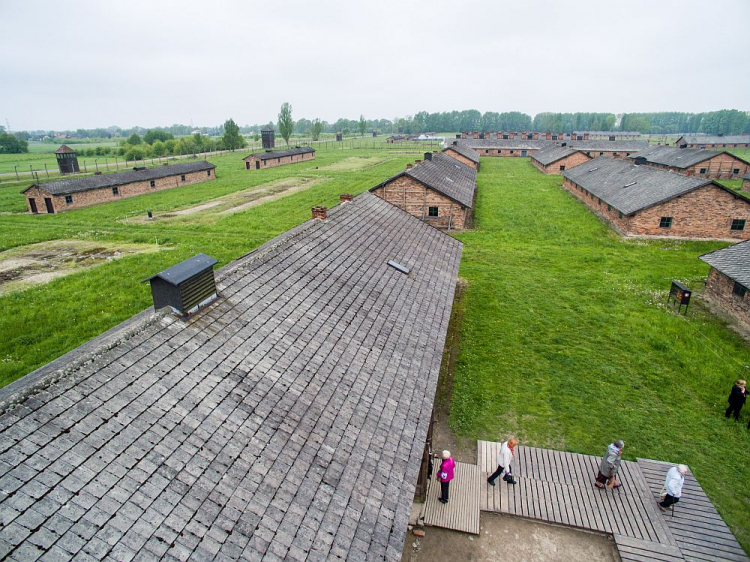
(733, 408)
(668, 501)
(444, 491)
(496, 474)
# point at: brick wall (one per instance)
(503, 152)
(569, 162)
(721, 166)
(745, 185)
(105, 194)
(706, 212)
(414, 198)
(461, 158)
(719, 290)
(611, 153)
(273, 162)
(728, 145)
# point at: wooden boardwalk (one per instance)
(697, 527)
(461, 513)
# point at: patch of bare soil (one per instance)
(353, 163)
(37, 264)
(510, 539)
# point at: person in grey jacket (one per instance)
(609, 467)
(673, 486)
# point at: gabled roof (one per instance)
(464, 151)
(678, 157)
(630, 188)
(608, 145)
(609, 133)
(65, 149)
(267, 128)
(519, 144)
(734, 262)
(715, 139)
(288, 420)
(270, 154)
(446, 175)
(87, 183)
(550, 154)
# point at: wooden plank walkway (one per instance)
(697, 527)
(634, 550)
(461, 513)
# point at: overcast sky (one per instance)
(71, 64)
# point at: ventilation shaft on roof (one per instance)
(186, 287)
(427, 156)
(640, 161)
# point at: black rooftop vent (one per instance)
(640, 161)
(139, 168)
(185, 287)
(398, 267)
(428, 156)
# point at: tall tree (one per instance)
(232, 138)
(362, 125)
(286, 124)
(316, 127)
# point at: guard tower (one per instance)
(67, 160)
(267, 133)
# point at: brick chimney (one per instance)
(408, 166)
(417, 162)
(319, 212)
(346, 198)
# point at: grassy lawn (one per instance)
(567, 342)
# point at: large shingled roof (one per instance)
(87, 183)
(678, 157)
(464, 151)
(608, 145)
(520, 144)
(713, 139)
(553, 153)
(445, 175)
(270, 154)
(630, 188)
(734, 262)
(287, 421)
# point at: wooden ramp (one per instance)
(461, 513)
(634, 550)
(697, 527)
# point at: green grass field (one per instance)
(567, 341)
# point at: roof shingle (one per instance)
(678, 157)
(734, 262)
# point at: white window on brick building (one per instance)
(736, 171)
(703, 171)
(738, 224)
(665, 222)
(68, 199)
(432, 211)
(562, 167)
(739, 290)
(115, 191)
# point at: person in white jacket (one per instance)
(504, 458)
(673, 485)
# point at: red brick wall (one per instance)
(105, 195)
(745, 185)
(569, 162)
(610, 153)
(414, 198)
(727, 145)
(461, 158)
(721, 166)
(273, 162)
(513, 152)
(719, 290)
(706, 212)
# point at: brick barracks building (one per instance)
(440, 191)
(709, 141)
(463, 154)
(273, 158)
(644, 201)
(557, 159)
(728, 283)
(64, 195)
(611, 148)
(504, 147)
(693, 161)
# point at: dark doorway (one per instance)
(32, 204)
(247, 165)
(48, 204)
(523, 153)
(257, 164)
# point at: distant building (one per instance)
(268, 137)
(611, 148)
(273, 158)
(556, 159)
(67, 160)
(440, 191)
(463, 154)
(605, 135)
(693, 161)
(73, 193)
(713, 141)
(728, 283)
(504, 147)
(644, 201)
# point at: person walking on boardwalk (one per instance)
(610, 466)
(673, 486)
(737, 398)
(504, 458)
(445, 475)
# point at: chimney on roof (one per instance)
(427, 156)
(408, 166)
(417, 162)
(320, 212)
(186, 287)
(346, 198)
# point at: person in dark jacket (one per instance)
(737, 399)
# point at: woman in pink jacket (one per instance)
(445, 475)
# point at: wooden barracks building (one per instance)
(440, 191)
(556, 159)
(64, 195)
(728, 283)
(643, 201)
(273, 158)
(693, 161)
